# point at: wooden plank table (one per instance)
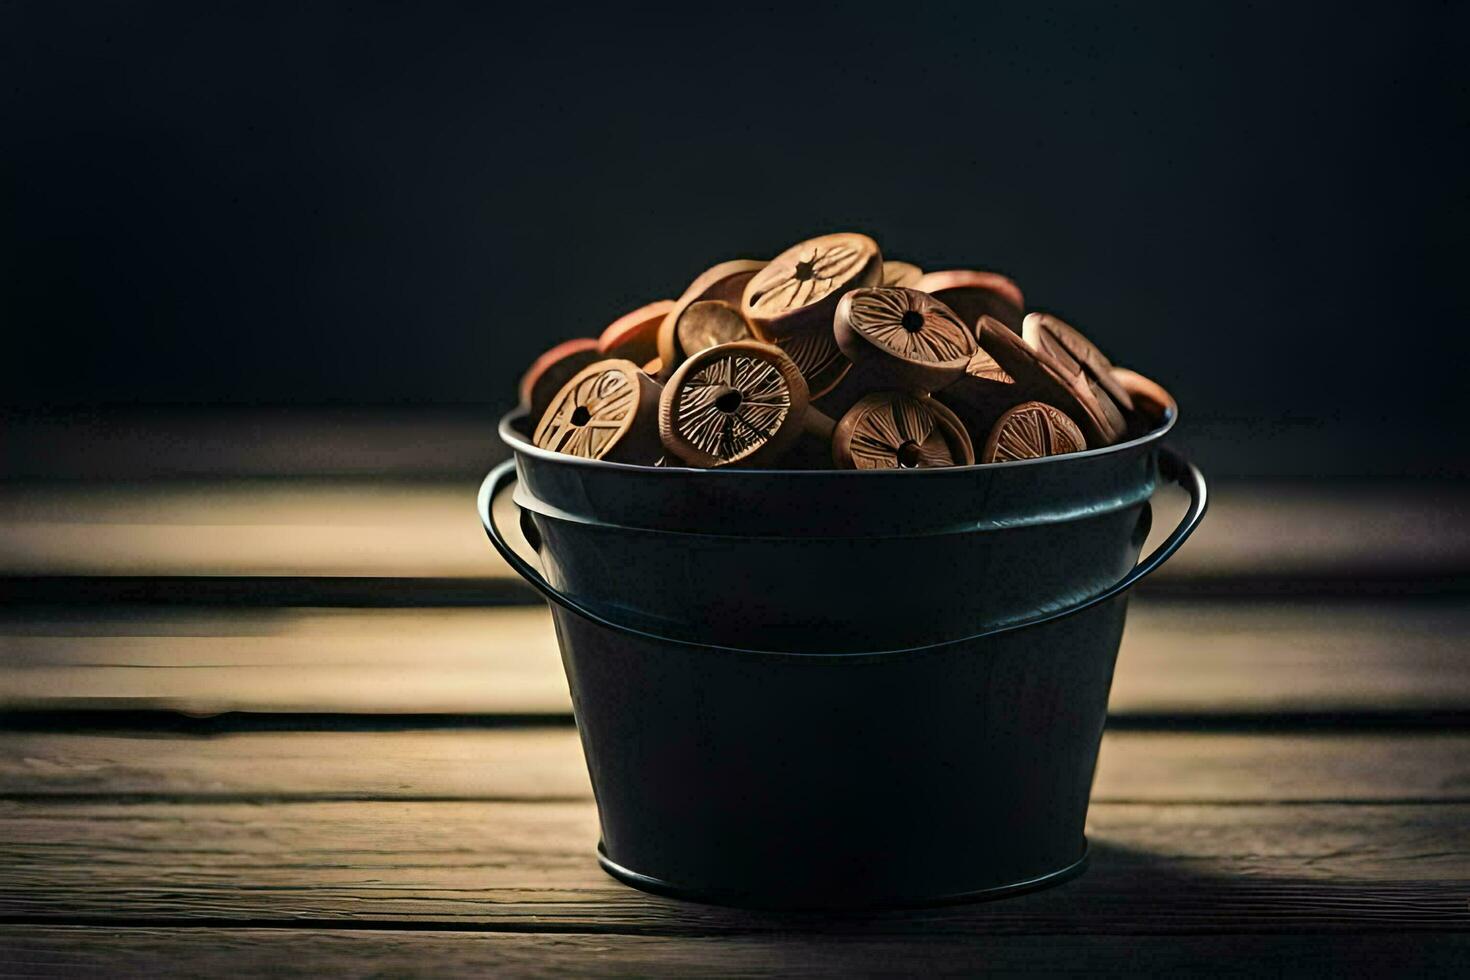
(190, 786)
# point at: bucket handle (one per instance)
(1172, 467)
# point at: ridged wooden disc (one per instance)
(598, 411)
(912, 337)
(553, 369)
(724, 282)
(1035, 376)
(817, 356)
(709, 323)
(634, 335)
(738, 404)
(1032, 430)
(897, 273)
(972, 294)
(799, 288)
(897, 430)
(1067, 344)
(1088, 389)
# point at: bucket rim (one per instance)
(1173, 466)
(1168, 417)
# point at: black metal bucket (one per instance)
(797, 771)
(817, 561)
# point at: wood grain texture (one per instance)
(1265, 658)
(545, 764)
(77, 951)
(896, 430)
(383, 529)
(280, 660)
(1199, 659)
(1158, 869)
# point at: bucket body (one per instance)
(810, 781)
(839, 689)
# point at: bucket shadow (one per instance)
(1136, 892)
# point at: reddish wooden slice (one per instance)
(1151, 403)
(606, 411)
(1146, 394)
(634, 336)
(739, 404)
(1066, 343)
(724, 282)
(899, 430)
(973, 294)
(904, 336)
(1032, 430)
(800, 288)
(553, 369)
(897, 273)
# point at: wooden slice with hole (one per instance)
(724, 283)
(799, 289)
(973, 294)
(1067, 344)
(739, 404)
(900, 430)
(634, 336)
(1038, 332)
(553, 369)
(897, 273)
(1032, 430)
(608, 411)
(906, 337)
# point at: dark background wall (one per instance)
(1262, 205)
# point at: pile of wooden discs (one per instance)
(828, 356)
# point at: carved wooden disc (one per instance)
(1067, 344)
(801, 286)
(724, 282)
(897, 430)
(634, 335)
(599, 412)
(1036, 376)
(708, 323)
(546, 375)
(738, 404)
(1032, 430)
(897, 273)
(1077, 378)
(818, 359)
(910, 336)
(973, 294)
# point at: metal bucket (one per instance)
(823, 560)
(800, 764)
